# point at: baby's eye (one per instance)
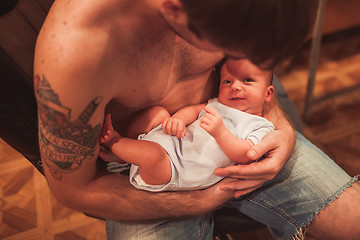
(247, 80)
(227, 82)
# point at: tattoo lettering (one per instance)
(64, 144)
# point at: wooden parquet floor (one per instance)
(335, 123)
(29, 211)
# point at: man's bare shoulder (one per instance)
(76, 36)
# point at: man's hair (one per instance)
(266, 31)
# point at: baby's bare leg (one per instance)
(147, 120)
(154, 164)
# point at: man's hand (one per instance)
(212, 122)
(174, 127)
(216, 195)
(276, 148)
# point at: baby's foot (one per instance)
(108, 156)
(108, 134)
(109, 138)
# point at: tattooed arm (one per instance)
(69, 148)
(72, 95)
(80, 65)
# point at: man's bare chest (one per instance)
(172, 77)
(170, 92)
(153, 78)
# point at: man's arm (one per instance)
(275, 114)
(69, 148)
(72, 96)
(285, 134)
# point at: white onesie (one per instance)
(195, 157)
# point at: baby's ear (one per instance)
(269, 93)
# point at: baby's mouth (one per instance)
(236, 98)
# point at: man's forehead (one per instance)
(238, 66)
(243, 67)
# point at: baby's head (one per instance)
(245, 86)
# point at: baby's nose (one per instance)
(235, 86)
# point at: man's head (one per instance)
(262, 30)
(244, 86)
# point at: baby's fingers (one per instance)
(181, 131)
(211, 111)
(166, 126)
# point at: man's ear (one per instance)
(173, 11)
(269, 93)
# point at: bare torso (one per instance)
(116, 56)
(132, 54)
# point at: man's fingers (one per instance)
(241, 187)
(254, 171)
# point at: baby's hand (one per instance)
(174, 127)
(212, 122)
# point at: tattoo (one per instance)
(64, 144)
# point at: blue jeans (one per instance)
(308, 182)
(181, 229)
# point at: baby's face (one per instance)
(244, 86)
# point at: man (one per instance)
(120, 56)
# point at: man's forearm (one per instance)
(112, 197)
(275, 114)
